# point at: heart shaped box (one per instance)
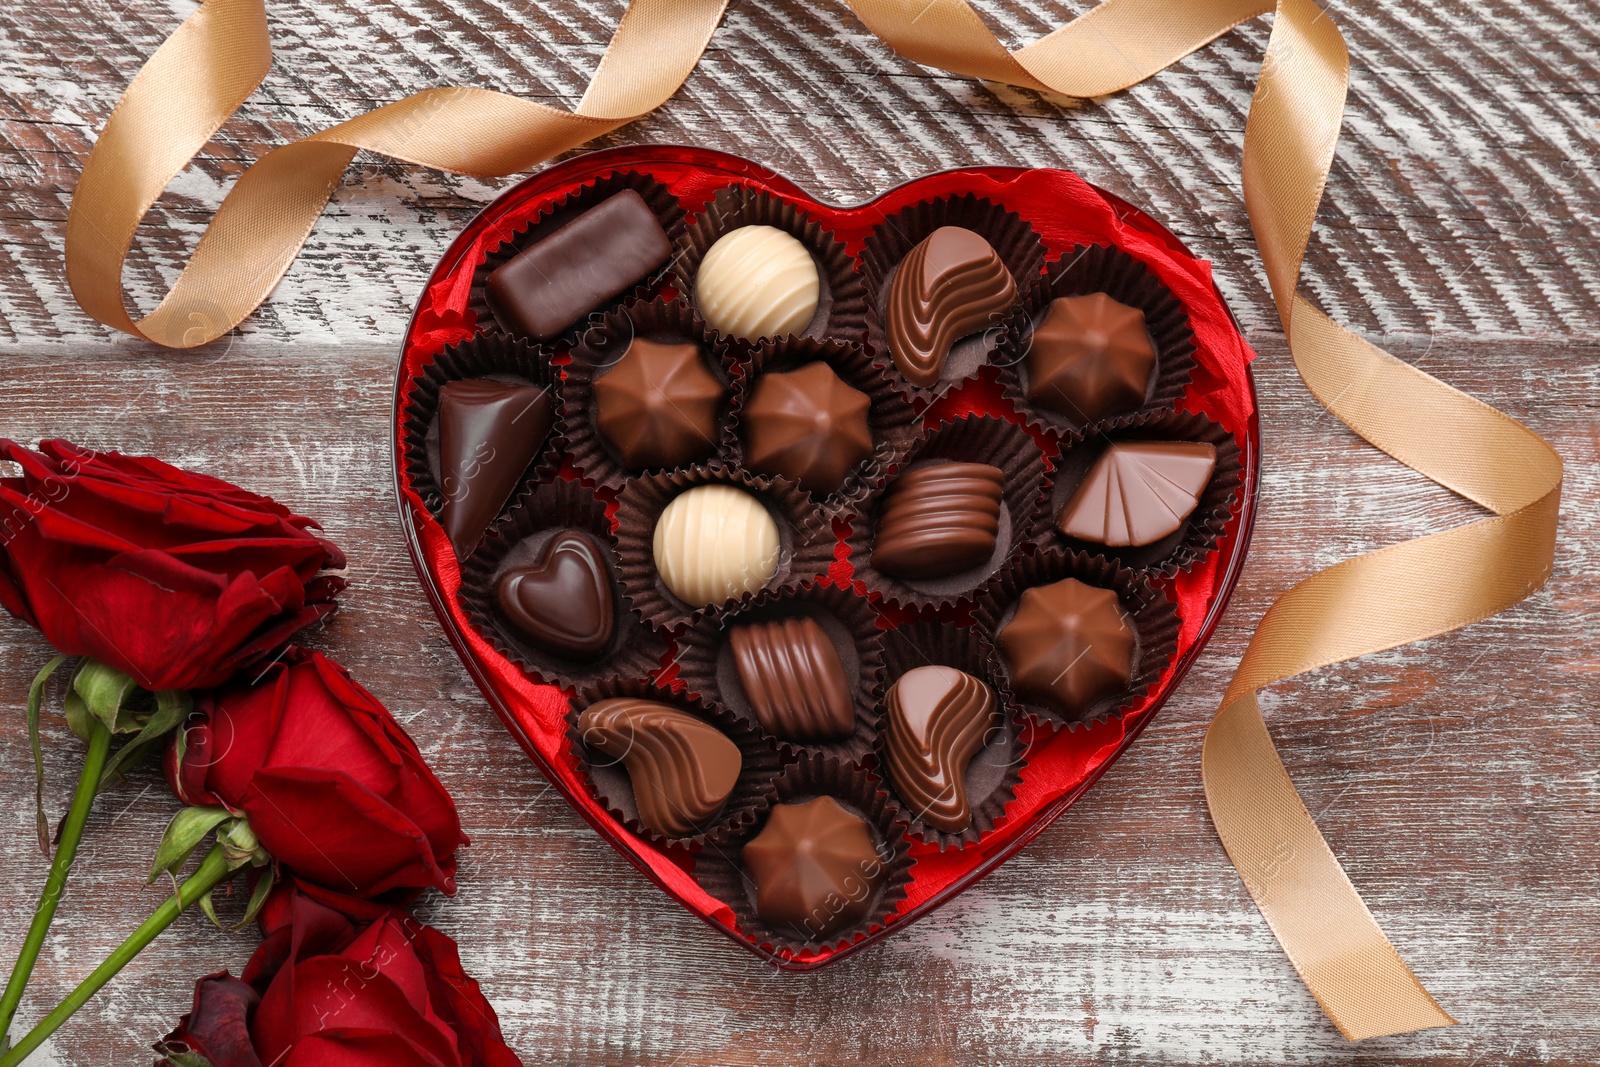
(1061, 763)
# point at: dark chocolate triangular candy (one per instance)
(488, 434)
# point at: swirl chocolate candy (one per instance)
(807, 425)
(939, 520)
(1138, 492)
(713, 543)
(562, 601)
(939, 718)
(950, 285)
(815, 866)
(1090, 357)
(489, 432)
(1069, 646)
(757, 281)
(659, 405)
(682, 768)
(794, 679)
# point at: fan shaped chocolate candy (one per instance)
(562, 602)
(939, 520)
(815, 866)
(659, 406)
(793, 678)
(713, 543)
(1090, 357)
(950, 285)
(489, 432)
(757, 281)
(682, 768)
(1138, 492)
(939, 718)
(808, 426)
(1069, 646)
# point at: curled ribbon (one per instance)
(1390, 597)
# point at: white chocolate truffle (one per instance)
(715, 542)
(757, 281)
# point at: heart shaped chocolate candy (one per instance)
(562, 603)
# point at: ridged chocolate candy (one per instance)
(562, 602)
(1069, 646)
(1090, 357)
(659, 406)
(794, 679)
(939, 520)
(489, 432)
(815, 866)
(682, 768)
(757, 281)
(1138, 492)
(950, 285)
(939, 718)
(713, 543)
(808, 426)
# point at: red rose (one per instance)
(322, 991)
(174, 578)
(332, 786)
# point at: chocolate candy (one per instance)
(815, 866)
(808, 426)
(757, 281)
(794, 679)
(1138, 492)
(950, 285)
(1069, 646)
(659, 405)
(488, 434)
(562, 602)
(591, 260)
(939, 718)
(1090, 357)
(682, 768)
(713, 543)
(939, 520)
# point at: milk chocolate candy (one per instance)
(1138, 492)
(950, 285)
(808, 426)
(659, 405)
(815, 867)
(1069, 646)
(1090, 357)
(563, 601)
(939, 520)
(757, 281)
(715, 542)
(794, 679)
(939, 718)
(591, 260)
(489, 432)
(682, 768)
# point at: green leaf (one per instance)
(210, 909)
(35, 703)
(258, 897)
(172, 707)
(104, 691)
(188, 1059)
(78, 717)
(184, 833)
(240, 846)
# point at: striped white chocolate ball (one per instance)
(715, 542)
(757, 281)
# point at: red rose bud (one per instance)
(332, 786)
(324, 991)
(174, 578)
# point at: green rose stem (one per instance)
(213, 870)
(71, 833)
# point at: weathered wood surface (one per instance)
(1456, 778)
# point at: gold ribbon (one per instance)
(1399, 594)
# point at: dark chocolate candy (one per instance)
(939, 520)
(815, 867)
(939, 718)
(794, 679)
(562, 602)
(1138, 492)
(1090, 357)
(488, 434)
(951, 284)
(808, 426)
(593, 259)
(682, 768)
(1069, 646)
(659, 405)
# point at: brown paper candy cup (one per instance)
(968, 439)
(891, 419)
(1099, 269)
(991, 777)
(706, 664)
(610, 784)
(806, 542)
(1200, 532)
(515, 541)
(483, 356)
(662, 203)
(594, 354)
(1013, 239)
(1152, 616)
(841, 299)
(721, 872)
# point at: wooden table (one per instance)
(1456, 778)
